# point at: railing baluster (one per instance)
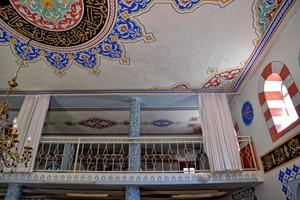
(113, 157)
(76, 156)
(47, 156)
(97, 156)
(121, 159)
(178, 157)
(170, 157)
(162, 156)
(194, 156)
(153, 152)
(105, 153)
(252, 153)
(146, 157)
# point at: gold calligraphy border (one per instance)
(278, 145)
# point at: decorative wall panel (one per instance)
(282, 154)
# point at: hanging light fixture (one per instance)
(10, 154)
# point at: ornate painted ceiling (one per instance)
(87, 45)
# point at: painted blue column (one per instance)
(134, 155)
(132, 193)
(13, 192)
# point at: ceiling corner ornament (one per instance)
(79, 31)
(263, 13)
(221, 80)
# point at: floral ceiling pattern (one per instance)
(101, 123)
(83, 32)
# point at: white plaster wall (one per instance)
(285, 48)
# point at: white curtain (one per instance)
(218, 132)
(31, 120)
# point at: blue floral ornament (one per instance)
(59, 60)
(87, 59)
(26, 52)
(127, 29)
(247, 113)
(4, 37)
(133, 6)
(186, 5)
(108, 48)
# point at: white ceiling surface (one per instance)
(56, 122)
(186, 45)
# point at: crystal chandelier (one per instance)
(10, 155)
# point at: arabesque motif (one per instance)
(265, 10)
(223, 80)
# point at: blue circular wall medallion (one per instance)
(247, 113)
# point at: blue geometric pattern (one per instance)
(134, 156)
(162, 123)
(126, 28)
(286, 177)
(132, 193)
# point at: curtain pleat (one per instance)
(31, 120)
(218, 132)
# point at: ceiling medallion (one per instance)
(55, 25)
(57, 15)
(63, 32)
